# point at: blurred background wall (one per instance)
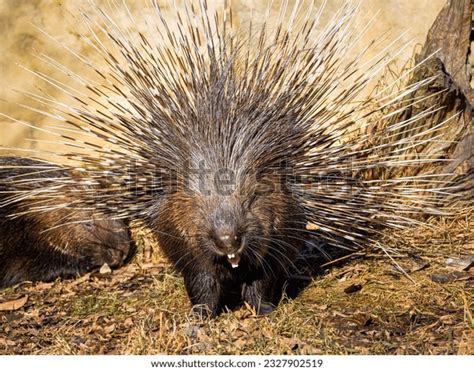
(21, 39)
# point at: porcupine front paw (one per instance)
(203, 291)
(260, 296)
(114, 256)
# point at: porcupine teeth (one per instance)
(233, 260)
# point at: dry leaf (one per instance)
(109, 329)
(44, 285)
(14, 304)
(460, 264)
(128, 322)
(105, 269)
(448, 277)
(6, 342)
(80, 280)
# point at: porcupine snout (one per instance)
(227, 236)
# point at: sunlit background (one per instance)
(22, 22)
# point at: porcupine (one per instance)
(60, 243)
(227, 142)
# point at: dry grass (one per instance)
(365, 306)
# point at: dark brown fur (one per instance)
(45, 246)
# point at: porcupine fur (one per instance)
(58, 243)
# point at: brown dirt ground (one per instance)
(364, 306)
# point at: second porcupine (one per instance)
(60, 243)
(236, 141)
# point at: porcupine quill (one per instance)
(276, 113)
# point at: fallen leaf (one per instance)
(6, 342)
(14, 304)
(44, 285)
(460, 264)
(109, 329)
(105, 269)
(418, 264)
(449, 277)
(128, 322)
(80, 280)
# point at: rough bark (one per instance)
(447, 50)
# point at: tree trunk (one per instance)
(447, 52)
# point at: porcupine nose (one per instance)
(226, 240)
